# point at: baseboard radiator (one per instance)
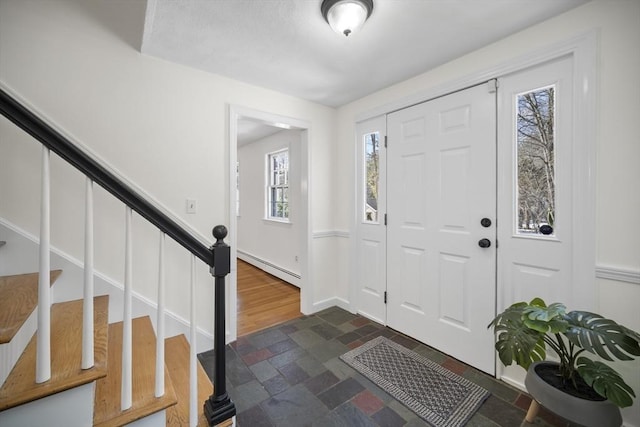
(273, 269)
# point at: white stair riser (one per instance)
(70, 408)
(11, 351)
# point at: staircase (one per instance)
(64, 364)
(24, 402)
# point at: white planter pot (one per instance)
(582, 411)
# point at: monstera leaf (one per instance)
(630, 333)
(516, 342)
(601, 336)
(545, 319)
(605, 381)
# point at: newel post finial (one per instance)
(219, 232)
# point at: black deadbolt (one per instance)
(485, 222)
(484, 243)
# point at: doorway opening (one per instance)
(268, 217)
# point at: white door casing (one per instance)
(306, 248)
(441, 184)
(371, 234)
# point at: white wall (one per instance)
(618, 152)
(161, 125)
(275, 242)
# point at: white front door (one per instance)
(370, 222)
(441, 203)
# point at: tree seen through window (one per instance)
(536, 160)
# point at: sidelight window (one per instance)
(371, 176)
(535, 140)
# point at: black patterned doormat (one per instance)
(436, 394)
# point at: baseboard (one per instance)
(274, 270)
(517, 384)
(65, 288)
(331, 302)
(330, 233)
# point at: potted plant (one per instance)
(576, 387)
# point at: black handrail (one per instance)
(219, 406)
(53, 140)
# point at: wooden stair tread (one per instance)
(177, 361)
(108, 389)
(18, 299)
(66, 355)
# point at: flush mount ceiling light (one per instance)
(346, 16)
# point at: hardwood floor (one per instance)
(264, 300)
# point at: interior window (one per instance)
(278, 185)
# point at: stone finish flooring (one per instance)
(291, 375)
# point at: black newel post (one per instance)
(219, 406)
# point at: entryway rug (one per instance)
(436, 394)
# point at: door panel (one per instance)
(410, 294)
(441, 183)
(372, 272)
(454, 272)
(371, 246)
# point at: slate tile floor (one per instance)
(291, 375)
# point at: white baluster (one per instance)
(160, 333)
(87, 305)
(43, 362)
(127, 342)
(193, 372)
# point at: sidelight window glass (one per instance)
(535, 141)
(371, 176)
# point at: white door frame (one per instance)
(583, 51)
(306, 280)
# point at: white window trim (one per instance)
(268, 187)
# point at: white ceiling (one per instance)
(287, 46)
(251, 130)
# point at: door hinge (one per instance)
(385, 141)
(385, 297)
(492, 85)
(385, 219)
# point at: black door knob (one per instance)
(485, 222)
(484, 243)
